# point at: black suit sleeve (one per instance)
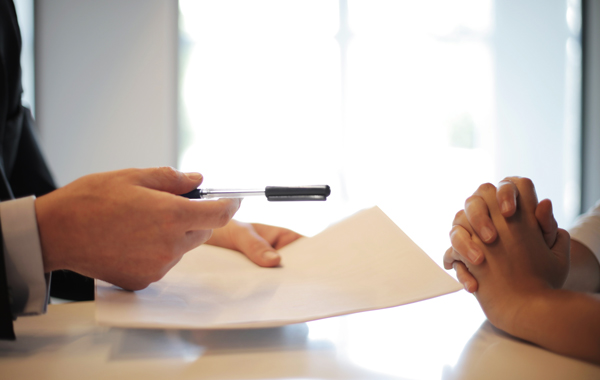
(30, 175)
(23, 170)
(6, 325)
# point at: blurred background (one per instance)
(408, 105)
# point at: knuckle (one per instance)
(486, 187)
(207, 234)
(453, 231)
(169, 172)
(255, 246)
(473, 200)
(478, 219)
(221, 220)
(508, 181)
(459, 215)
(133, 172)
(448, 258)
(224, 217)
(171, 217)
(199, 237)
(448, 254)
(457, 242)
(526, 183)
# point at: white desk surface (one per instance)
(441, 338)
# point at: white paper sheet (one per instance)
(363, 263)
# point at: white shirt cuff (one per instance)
(586, 230)
(28, 287)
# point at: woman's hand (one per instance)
(259, 242)
(476, 215)
(519, 266)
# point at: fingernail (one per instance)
(505, 206)
(270, 255)
(194, 176)
(486, 234)
(474, 255)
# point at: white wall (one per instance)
(536, 101)
(106, 91)
(591, 142)
(24, 10)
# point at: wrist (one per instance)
(521, 317)
(505, 304)
(50, 257)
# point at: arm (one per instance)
(585, 248)
(562, 321)
(584, 275)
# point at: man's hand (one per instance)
(259, 242)
(127, 227)
(476, 215)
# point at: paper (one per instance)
(363, 263)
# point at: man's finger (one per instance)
(167, 179)
(206, 214)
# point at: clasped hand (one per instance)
(506, 247)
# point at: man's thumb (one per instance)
(169, 180)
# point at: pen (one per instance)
(273, 193)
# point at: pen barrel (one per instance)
(273, 193)
(214, 193)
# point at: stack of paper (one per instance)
(362, 263)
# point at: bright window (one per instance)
(408, 105)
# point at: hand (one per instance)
(518, 265)
(477, 216)
(126, 227)
(257, 241)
